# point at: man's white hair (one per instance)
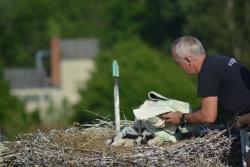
(187, 44)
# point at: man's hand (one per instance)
(243, 121)
(237, 123)
(172, 117)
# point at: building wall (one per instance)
(38, 98)
(74, 75)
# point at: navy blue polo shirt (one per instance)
(228, 79)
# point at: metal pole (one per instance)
(244, 141)
(115, 68)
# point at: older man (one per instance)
(222, 81)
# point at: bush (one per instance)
(13, 117)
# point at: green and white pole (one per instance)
(115, 68)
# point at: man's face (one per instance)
(185, 62)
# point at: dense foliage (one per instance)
(27, 25)
(13, 118)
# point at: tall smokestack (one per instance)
(55, 61)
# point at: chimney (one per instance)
(55, 61)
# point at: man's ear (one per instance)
(189, 60)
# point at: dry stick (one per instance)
(124, 116)
(88, 150)
(97, 115)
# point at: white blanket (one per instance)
(156, 105)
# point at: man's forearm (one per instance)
(207, 114)
(199, 117)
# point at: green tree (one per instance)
(162, 22)
(13, 117)
(157, 22)
(223, 26)
(142, 69)
(27, 26)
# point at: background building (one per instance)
(71, 65)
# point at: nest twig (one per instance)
(80, 146)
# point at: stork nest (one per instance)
(84, 145)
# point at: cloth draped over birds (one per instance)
(148, 122)
(156, 105)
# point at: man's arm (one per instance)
(207, 113)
